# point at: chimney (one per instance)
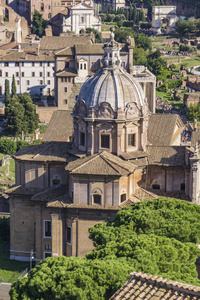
(38, 50)
(197, 263)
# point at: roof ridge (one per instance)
(109, 161)
(90, 159)
(44, 149)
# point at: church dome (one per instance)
(115, 86)
(112, 84)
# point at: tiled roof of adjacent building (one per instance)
(149, 287)
(71, 72)
(162, 128)
(89, 49)
(22, 190)
(52, 194)
(16, 56)
(60, 127)
(60, 42)
(134, 155)
(66, 51)
(50, 151)
(166, 156)
(103, 163)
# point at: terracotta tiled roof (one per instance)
(88, 49)
(61, 42)
(22, 190)
(71, 72)
(133, 155)
(95, 206)
(149, 287)
(51, 151)
(162, 128)
(60, 127)
(26, 56)
(103, 163)
(167, 156)
(66, 51)
(52, 193)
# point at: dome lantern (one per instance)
(111, 57)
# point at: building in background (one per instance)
(81, 16)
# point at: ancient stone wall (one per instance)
(185, 8)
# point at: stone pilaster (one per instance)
(57, 235)
(195, 168)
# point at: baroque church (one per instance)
(121, 153)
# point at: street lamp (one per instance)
(31, 258)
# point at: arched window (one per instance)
(42, 7)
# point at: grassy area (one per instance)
(11, 176)
(163, 96)
(10, 270)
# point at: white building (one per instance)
(163, 16)
(81, 16)
(34, 73)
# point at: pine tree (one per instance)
(7, 96)
(13, 90)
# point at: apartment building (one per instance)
(34, 72)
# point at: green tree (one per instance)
(156, 237)
(7, 96)
(31, 119)
(97, 34)
(7, 146)
(72, 278)
(13, 89)
(38, 24)
(194, 112)
(21, 144)
(15, 116)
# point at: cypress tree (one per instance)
(7, 96)
(13, 90)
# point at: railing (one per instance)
(23, 274)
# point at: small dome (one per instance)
(112, 85)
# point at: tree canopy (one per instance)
(38, 24)
(21, 115)
(157, 237)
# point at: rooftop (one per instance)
(103, 163)
(16, 56)
(60, 127)
(173, 156)
(163, 128)
(61, 42)
(149, 287)
(50, 151)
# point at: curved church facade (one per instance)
(121, 153)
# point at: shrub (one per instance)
(8, 146)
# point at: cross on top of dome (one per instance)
(112, 52)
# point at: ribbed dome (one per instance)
(112, 85)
